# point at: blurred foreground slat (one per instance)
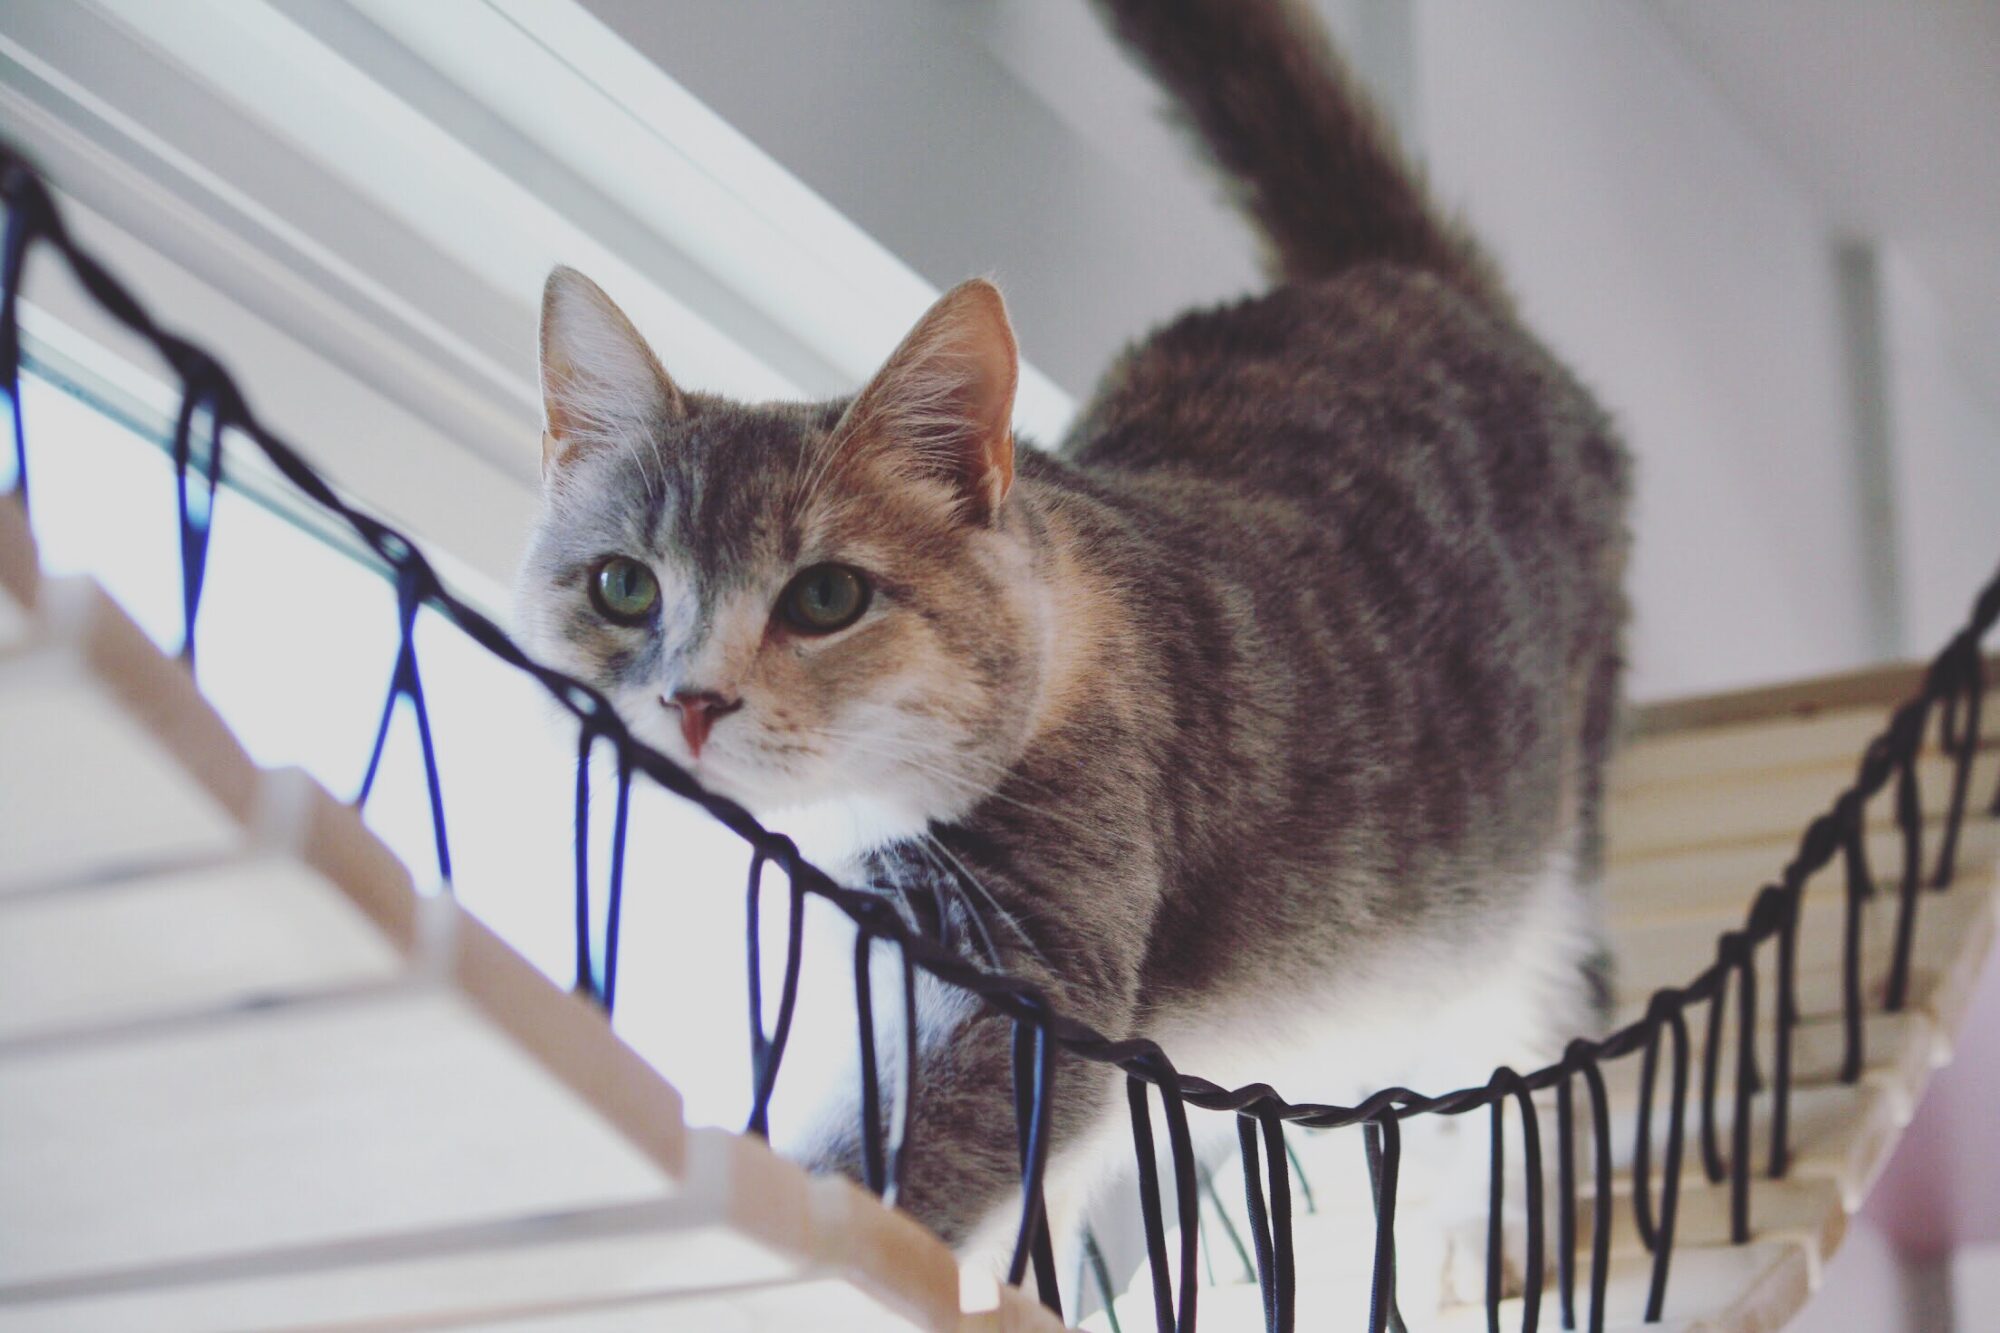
(250, 1078)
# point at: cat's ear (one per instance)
(941, 409)
(600, 381)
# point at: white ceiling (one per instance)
(1889, 114)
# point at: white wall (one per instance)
(1674, 265)
(1679, 263)
(1947, 462)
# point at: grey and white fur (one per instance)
(1266, 716)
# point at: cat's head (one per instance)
(799, 602)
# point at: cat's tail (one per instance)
(1312, 159)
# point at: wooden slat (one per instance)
(994, 1307)
(19, 573)
(1899, 1052)
(1879, 687)
(1802, 1212)
(1838, 1133)
(1718, 883)
(1749, 1287)
(102, 735)
(285, 1128)
(827, 1303)
(1670, 953)
(745, 1241)
(1793, 1211)
(1765, 804)
(1821, 724)
(147, 949)
(312, 905)
(886, 1254)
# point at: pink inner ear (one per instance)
(943, 403)
(600, 379)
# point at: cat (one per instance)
(1265, 716)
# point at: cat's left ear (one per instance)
(601, 383)
(940, 412)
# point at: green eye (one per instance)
(823, 599)
(624, 589)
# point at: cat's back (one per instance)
(1313, 388)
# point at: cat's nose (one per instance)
(698, 710)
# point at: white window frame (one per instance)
(353, 203)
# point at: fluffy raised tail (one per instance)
(1313, 161)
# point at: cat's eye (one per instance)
(823, 599)
(624, 590)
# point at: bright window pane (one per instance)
(295, 647)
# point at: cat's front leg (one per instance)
(961, 1164)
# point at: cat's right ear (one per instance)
(601, 383)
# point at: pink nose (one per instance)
(698, 710)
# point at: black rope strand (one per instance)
(902, 1125)
(1507, 1083)
(1786, 897)
(1385, 1149)
(1964, 748)
(1711, 1070)
(1180, 1143)
(1860, 887)
(1642, 1142)
(1670, 1185)
(1033, 1075)
(195, 509)
(1531, 1164)
(406, 684)
(874, 1163)
(1566, 1201)
(1910, 827)
(1600, 1222)
(1260, 1219)
(767, 1054)
(586, 972)
(614, 909)
(1150, 1214)
(1496, 1201)
(1278, 1164)
(1746, 1088)
(21, 223)
(1382, 1142)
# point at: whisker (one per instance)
(932, 766)
(1007, 918)
(946, 886)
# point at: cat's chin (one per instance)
(829, 824)
(835, 830)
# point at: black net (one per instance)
(1950, 699)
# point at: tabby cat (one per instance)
(1265, 716)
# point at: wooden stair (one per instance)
(249, 1078)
